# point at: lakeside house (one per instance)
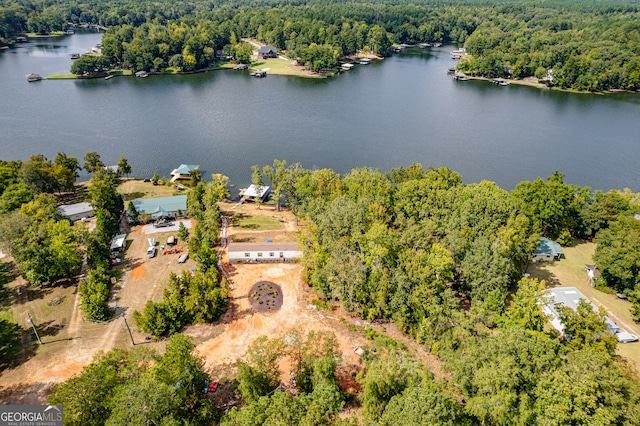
(76, 211)
(254, 192)
(547, 251)
(268, 252)
(183, 172)
(266, 52)
(162, 206)
(569, 297)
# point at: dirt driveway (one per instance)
(70, 342)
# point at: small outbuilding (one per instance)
(263, 252)
(592, 271)
(118, 243)
(76, 211)
(547, 251)
(162, 206)
(266, 52)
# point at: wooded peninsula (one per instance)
(588, 46)
(414, 248)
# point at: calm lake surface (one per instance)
(402, 110)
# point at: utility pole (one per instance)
(30, 321)
(130, 335)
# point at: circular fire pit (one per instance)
(265, 296)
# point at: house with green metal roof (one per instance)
(547, 251)
(183, 172)
(161, 206)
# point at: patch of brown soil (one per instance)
(346, 375)
(26, 394)
(138, 272)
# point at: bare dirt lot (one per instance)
(242, 324)
(70, 342)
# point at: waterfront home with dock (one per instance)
(266, 52)
(183, 172)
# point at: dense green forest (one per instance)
(591, 46)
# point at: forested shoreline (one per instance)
(587, 46)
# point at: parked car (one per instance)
(171, 240)
(151, 252)
(625, 337)
(162, 223)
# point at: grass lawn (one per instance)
(569, 272)
(280, 67)
(133, 189)
(62, 77)
(256, 223)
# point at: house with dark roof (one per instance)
(266, 52)
(547, 251)
(183, 172)
(162, 206)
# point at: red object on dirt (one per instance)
(213, 386)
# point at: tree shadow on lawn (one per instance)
(17, 345)
(132, 196)
(542, 272)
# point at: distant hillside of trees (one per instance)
(590, 45)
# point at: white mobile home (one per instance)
(263, 252)
(569, 297)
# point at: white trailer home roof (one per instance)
(262, 247)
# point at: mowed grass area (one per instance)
(133, 189)
(62, 77)
(256, 223)
(569, 272)
(279, 66)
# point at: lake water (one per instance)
(402, 110)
